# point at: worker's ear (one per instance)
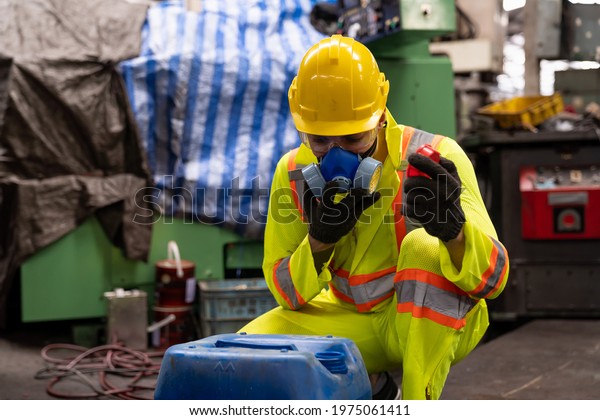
(382, 120)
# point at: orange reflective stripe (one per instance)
(301, 300)
(487, 273)
(399, 225)
(436, 141)
(399, 220)
(428, 295)
(362, 278)
(341, 272)
(502, 274)
(362, 307)
(366, 307)
(363, 290)
(291, 167)
(340, 295)
(282, 278)
(492, 277)
(430, 278)
(407, 134)
(428, 313)
(365, 278)
(278, 286)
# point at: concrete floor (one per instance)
(541, 360)
(20, 360)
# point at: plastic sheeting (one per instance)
(209, 93)
(69, 145)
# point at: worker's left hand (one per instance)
(434, 202)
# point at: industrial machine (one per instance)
(541, 186)
(543, 193)
(399, 33)
(558, 203)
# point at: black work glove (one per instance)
(329, 221)
(435, 202)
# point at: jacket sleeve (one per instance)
(288, 263)
(485, 266)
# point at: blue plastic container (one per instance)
(263, 367)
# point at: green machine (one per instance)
(398, 32)
(67, 279)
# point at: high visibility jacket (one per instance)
(369, 268)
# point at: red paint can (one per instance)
(180, 327)
(175, 279)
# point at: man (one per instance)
(358, 264)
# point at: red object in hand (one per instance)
(427, 151)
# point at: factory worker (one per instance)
(357, 246)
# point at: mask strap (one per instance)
(370, 150)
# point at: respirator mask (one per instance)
(346, 169)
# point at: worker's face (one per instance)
(356, 143)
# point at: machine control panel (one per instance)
(553, 176)
(560, 202)
(366, 20)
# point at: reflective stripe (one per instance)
(342, 286)
(492, 278)
(428, 295)
(341, 295)
(399, 225)
(366, 307)
(418, 138)
(365, 291)
(399, 222)
(430, 314)
(294, 175)
(437, 139)
(284, 284)
(407, 133)
(291, 168)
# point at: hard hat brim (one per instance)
(336, 128)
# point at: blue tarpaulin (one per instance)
(209, 93)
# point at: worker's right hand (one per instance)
(330, 221)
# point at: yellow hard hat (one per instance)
(339, 89)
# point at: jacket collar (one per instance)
(393, 138)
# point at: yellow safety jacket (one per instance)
(367, 269)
